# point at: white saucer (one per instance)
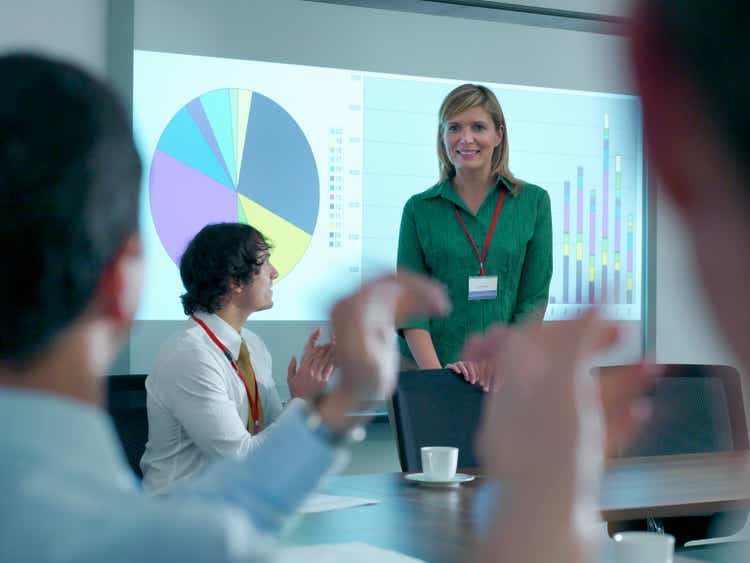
(456, 480)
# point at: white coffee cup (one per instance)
(439, 463)
(643, 547)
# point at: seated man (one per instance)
(70, 235)
(211, 392)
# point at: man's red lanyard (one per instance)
(254, 403)
(489, 233)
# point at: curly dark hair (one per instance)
(219, 255)
(69, 191)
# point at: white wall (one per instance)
(685, 328)
(72, 29)
(379, 40)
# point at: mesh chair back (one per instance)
(696, 409)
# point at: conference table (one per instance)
(436, 524)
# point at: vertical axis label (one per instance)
(566, 240)
(592, 246)
(579, 237)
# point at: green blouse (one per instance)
(432, 242)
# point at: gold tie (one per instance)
(248, 375)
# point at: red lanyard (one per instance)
(254, 404)
(489, 233)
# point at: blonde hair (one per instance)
(459, 100)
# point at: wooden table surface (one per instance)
(433, 524)
(436, 524)
(677, 485)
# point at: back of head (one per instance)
(218, 256)
(710, 43)
(69, 184)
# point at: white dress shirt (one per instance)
(69, 496)
(198, 406)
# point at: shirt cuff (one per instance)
(295, 401)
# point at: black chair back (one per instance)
(126, 403)
(435, 408)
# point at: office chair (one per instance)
(696, 409)
(435, 408)
(126, 403)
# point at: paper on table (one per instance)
(335, 553)
(321, 503)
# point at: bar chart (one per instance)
(597, 241)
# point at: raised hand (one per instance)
(544, 435)
(549, 410)
(315, 368)
(364, 325)
(620, 392)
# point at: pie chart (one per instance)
(234, 155)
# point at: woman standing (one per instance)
(481, 231)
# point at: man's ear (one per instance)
(235, 287)
(673, 119)
(119, 290)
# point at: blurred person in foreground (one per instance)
(690, 60)
(69, 184)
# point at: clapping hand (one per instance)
(544, 434)
(364, 324)
(551, 410)
(315, 368)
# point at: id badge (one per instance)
(482, 288)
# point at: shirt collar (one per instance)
(223, 331)
(71, 434)
(445, 190)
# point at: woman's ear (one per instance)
(499, 135)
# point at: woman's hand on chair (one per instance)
(482, 374)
